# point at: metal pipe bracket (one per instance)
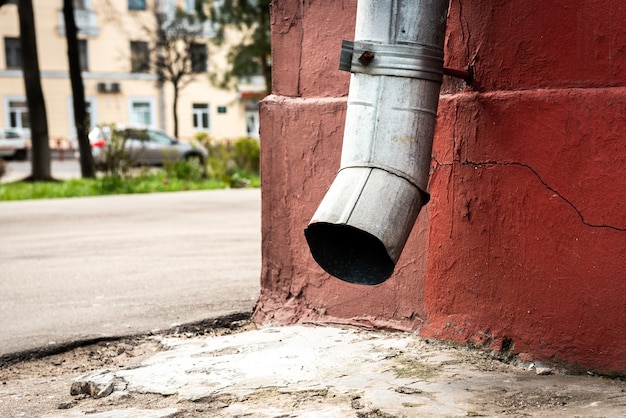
(391, 60)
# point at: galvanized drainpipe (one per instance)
(365, 218)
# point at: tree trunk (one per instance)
(175, 109)
(40, 161)
(81, 120)
(267, 74)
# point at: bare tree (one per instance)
(180, 55)
(40, 161)
(81, 119)
(180, 45)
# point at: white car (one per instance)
(13, 145)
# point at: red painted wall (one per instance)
(524, 239)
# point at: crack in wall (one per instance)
(541, 180)
(464, 25)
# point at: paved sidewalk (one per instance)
(312, 371)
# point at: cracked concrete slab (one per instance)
(309, 371)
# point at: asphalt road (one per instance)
(61, 169)
(94, 267)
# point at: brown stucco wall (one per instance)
(523, 244)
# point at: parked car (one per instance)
(144, 146)
(13, 144)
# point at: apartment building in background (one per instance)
(120, 87)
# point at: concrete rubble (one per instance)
(308, 371)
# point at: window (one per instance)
(18, 114)
(199, 57)
(159, 138)
(83, 55)
(200, 116)
(252, 124)
(136, 4)
(80, 5)
(190, 6)
(141, 113)
(139, 57)
(13, 52)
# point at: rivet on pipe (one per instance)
(366, 58)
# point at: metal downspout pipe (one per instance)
(396, 60)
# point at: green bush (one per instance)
(235, 163)
(116, 159)
(247, 152)
(191, 170)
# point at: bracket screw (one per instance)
(366, 58)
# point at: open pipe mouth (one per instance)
(348, 253)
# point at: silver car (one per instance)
(144, 146)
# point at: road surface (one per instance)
(66, 169)
(95, 267)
